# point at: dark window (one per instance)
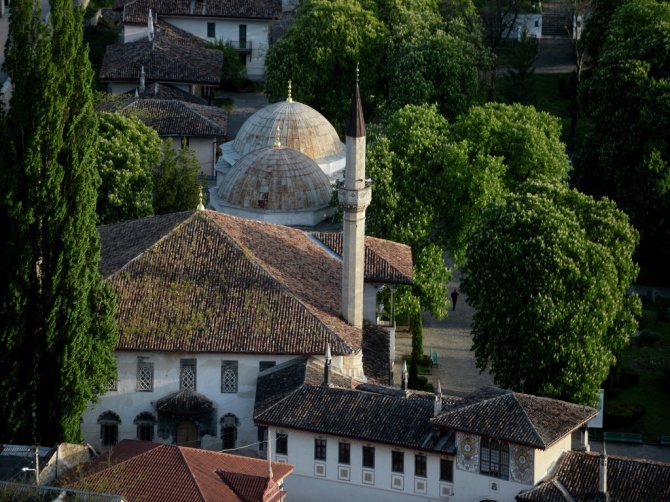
(145, 426)
(262, 431)
(145, 375)
(264, 365)
(228, 376)
(187, 374)
(344, 456)
(320, 449)
(446, 470)
(211, 30)
(420, 465)
(229, 424)
(243, 36)
(282, 444)
(369, 457)
(494, 458)
(109, 428)
(398, 461)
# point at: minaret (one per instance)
(354, 195)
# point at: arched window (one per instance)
(229, 424)
(109, 428)
(494, 458)
(145, 426)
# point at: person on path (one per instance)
(454, 298)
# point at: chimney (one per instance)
(150, 27)
(354, 195)
(142, 80)
(602, 487)
(438, 400)
(405, 376)
(326, 371)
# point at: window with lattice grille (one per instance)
(494, 458)
(187, 374)
(228, 376)
(145, 375)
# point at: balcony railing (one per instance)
(241, 45)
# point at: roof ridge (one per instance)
(258, 262)
(537, 433)
(190, 472)
(204, 117)
(125, 265)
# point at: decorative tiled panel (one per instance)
(521, 461)
(420, 485)
(319, 469)
(343, 473)
(368, 477)
(467, 452)
(446, 491)
(397, 482)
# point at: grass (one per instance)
(652, 389)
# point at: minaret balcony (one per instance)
(353, 199)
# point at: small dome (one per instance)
(300, 127)
(276, 179)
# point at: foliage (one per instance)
(627, 155)
(234, 71)
(547, 273)
(176, 186)
(57, 330)
(127, 152)
(331, 36)
(519, 85)
(417, 336)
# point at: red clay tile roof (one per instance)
(385, 261)
(628, 479)
(520, 418)
(376, 354)
(136, 11)
(174, 56)
(150, 472)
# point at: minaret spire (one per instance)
(354, 195)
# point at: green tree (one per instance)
(519, 85)
(626, 156)
(319, 53)
(547, 272)
(57, 331)
(127, 152)
(176, 186)
(234, 71)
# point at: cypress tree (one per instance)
(57, 331)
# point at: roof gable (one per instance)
(520, 418)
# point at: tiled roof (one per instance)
(184, 401)
(368, 413)
(150, 472)
(136, 11)
(174, 56)
(179, 118)
(194, 282)
(385, 261)
(520, 418)
(577, 478)
(376, 354)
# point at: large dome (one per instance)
(300, 127)
(275, 179)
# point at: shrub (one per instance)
(623, 415)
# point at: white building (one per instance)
(246, 24)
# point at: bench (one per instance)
(664, 440)
(433, 358)
(622, 437)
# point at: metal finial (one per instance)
(277, 140)
(289, 99)
(200, 206)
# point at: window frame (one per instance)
(229, 365)
(229, 432)
(211, 30)
(141, 384)
(420, 465)
(369, 457)
(184, 366)
(494, 458)
(320, 449)
(344, 453)
(398, 459)
(281, 443)
(447, 470)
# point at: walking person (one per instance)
(454, 298)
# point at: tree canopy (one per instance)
(626, 155)
(547, 272)
(57, 331)
(176, 186)
(127, 152)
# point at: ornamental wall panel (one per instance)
(521, 464)
(467, 452)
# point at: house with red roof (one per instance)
(151, 472)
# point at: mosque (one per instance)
(281, 167)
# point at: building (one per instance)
(164, 54)
(205, 301)
(246, 24)
(139, 470)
